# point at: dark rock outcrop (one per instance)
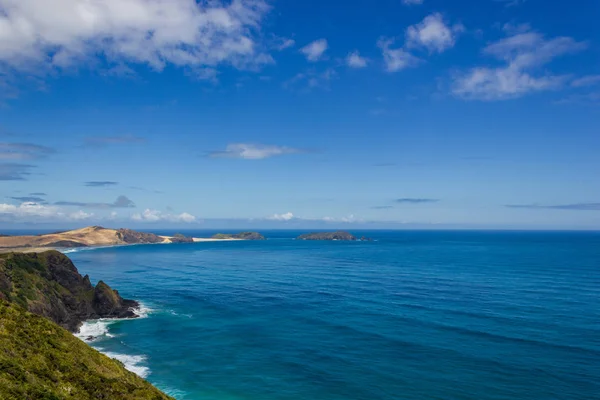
(66, 244)
(179, 238)
(240, 236)
(134, 237)
(339, 235)
(48, 284)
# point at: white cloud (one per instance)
(433, 34)
(314, 51)
(185, 217)
(80, 215)
(149, 215)
(290, 216)
(40, 36)
(30, 211)
(412, 2)
(523, 54)
(252, 151)
(349, 219)
(284, 43)
(282, 217)
(396, 59)
(354, 60)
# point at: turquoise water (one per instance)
(413, 315)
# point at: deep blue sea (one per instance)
(412, 315)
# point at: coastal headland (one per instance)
(97, 236)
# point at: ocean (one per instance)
(411, 315)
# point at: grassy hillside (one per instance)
(41, 360)
(48, 284)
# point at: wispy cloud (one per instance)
(100, 141)
(29, 211)
(23, 151)
(522, 54)
(100, 183)
(120, 202)
(511, 3)
(584, 81)
(417, 200)
(42, 36)
(575, 206)
(253, 151)
(354, 60)
(141, 189)
(14, 171)
(149, 215)
(284, 43)
(314, 51)
(38, 194)
(433, 33)
(289, 216)
(381, 207)
(29, 199)
(412, 2)
(310, 79)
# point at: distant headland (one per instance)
(97, 236)
(239, 236)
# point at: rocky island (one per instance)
(42, 298)
(239, 236)
(339, 235)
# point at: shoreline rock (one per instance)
(48, 284)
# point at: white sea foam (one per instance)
(175, 313)
(143, 311)
(95, 330)
(132, 363)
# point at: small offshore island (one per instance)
(338, 235)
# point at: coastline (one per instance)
(66, 250)
(95, 330)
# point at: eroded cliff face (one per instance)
(48, 284)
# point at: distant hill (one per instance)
(339, 235)
(90, 236)
(48, 284)
(240, 236)
(41, 360)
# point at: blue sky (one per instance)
(432, 113)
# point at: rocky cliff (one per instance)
(48, 284)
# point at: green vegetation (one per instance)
(48, 284)
(41, 360)
(240, 236)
